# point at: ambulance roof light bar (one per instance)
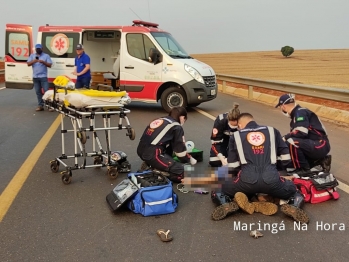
(144, 23)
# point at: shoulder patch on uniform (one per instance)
(156, 123)
(256, 138)
(300, 118)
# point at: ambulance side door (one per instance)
(18, 47)
(139, 77)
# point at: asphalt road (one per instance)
(50, 221)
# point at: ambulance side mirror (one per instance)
(154, 56)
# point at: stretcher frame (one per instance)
(76, 116)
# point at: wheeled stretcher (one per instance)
(84, 108)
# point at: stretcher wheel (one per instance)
(82, 136)
(131, 134)
(113, 173)
(54, 165)
(66, 177)
(97, 160)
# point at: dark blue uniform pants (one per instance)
(306, 151)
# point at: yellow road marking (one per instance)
(9, 194)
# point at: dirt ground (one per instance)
(322, 68)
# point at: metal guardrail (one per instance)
(335, 94)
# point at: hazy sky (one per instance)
(201, 26)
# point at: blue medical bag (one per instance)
(155, 196)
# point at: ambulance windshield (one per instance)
(170, 45)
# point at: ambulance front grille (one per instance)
(210, 81)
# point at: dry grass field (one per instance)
(327, 68)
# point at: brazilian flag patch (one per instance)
(300, 118)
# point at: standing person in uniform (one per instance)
(308, 140)
(82, 68)
(223, 127)
(160, 139)
(40, 61)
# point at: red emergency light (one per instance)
(144, 23)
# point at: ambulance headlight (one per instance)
(194, 73)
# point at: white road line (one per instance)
(204, 113)
(342, 186)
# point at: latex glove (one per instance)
(193, 161)
(224, 161)
(221, 157)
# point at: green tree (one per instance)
(287, 51)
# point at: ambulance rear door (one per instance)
(60, 46)
(18, 47)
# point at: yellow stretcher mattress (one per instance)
(83, 98)
(95, 93)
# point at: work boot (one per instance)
(266, 208)
(225, 206)
(293, 208)
(39, 108)
(326, 163)
(267, 198)
(242, 200)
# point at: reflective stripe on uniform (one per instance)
(163, 132)
(240, 148)
(291, 141)
(234, 164)
(323, 127)
(284, 157)
(272, 145)
(216, 141)
(301, 129)
(181, 154)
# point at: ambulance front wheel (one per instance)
(172, 97)
(113, 173)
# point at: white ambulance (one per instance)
(144, 60)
